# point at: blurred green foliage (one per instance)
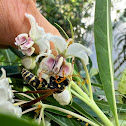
(58, 11)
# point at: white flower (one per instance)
(28, 62)
(6, 97)
(5, 89)
(9, 108)
(25, 44)
(64, 97)
(58, 65)
(53, 65)
(74, 49)
(38, 35)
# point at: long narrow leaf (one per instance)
(103, 43)
(9, 120)
(64, 121)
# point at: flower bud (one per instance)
(25, 44)
(64, 97)
(29, 62)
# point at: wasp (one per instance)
(55, 85)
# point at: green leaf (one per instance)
(18, 53)
(64, 121)
(93, 71)
(77, 106)
(97, 85)
(122, 83)
(103, 44)
(11, 70)
(6, 120)
(84, 110)
(56, 112)
(121, 108)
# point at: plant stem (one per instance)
(101, 115)
(80, 91)
(20, 103)
(95, 108)
(29, 110)
(88, 78)
(41, 116)
(27, 96)
(80, 97)
(62, 30)
(80, 80)
(43, 119)
(70, 113)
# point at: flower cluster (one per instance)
(51, 65)
(6, 97)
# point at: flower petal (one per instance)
(63, 98)
(59, 42)
(28, 62)
(45, 76)
(48, 63)
(29, 51)
(40, 55)
(8, 108)
(38, 35)
(58, 65)
(76, 47)
(5, 89)
(36, 31)
(67, 69)
(44, 45)
(79, 51)
(20, 39)
(3, 93)
(26, 45)
(10, 94)
(3, 74)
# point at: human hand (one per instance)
(13, 21)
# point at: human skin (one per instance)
(13, 21)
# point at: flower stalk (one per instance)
(80, 80)
(88, 78)
(70, 113)
(90, 102)
(41, 116)
(29, 110)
